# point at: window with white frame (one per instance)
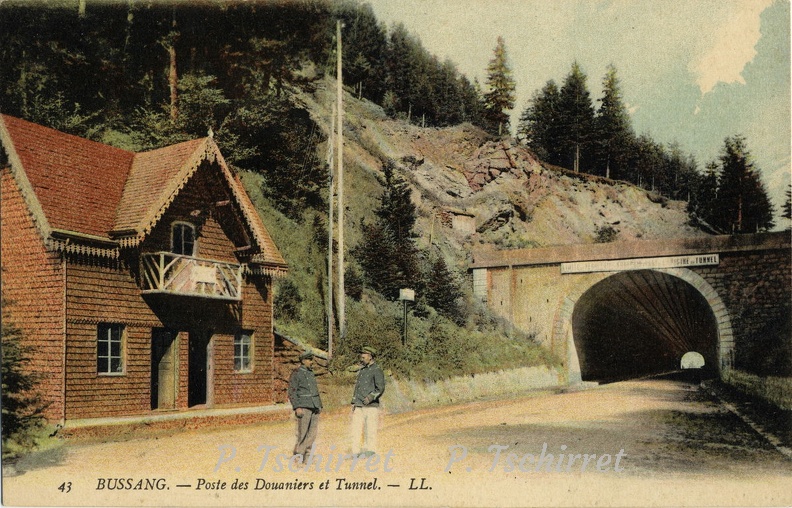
(183, 238)
(110, 348)
(243, 344)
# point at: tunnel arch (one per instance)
(651, 318)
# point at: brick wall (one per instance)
(32, 286)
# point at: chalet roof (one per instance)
(77, 182)
(110, 197)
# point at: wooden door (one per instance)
(164, 368)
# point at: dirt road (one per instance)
(660, 442)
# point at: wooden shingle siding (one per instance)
(32, 282)
(183, 362)
(196, 205)
(244, 387)
(100, 294)
(258, 316)
(91, 395)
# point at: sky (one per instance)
(692, 71)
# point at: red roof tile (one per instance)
(77, 182)
(149, 182)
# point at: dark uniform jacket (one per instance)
(303, 391)
(369, 387)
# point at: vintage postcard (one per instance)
(396, 253)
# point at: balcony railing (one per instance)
(165, 272)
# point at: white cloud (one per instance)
(731, 46)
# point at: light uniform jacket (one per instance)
(369, 387)
(303, 391)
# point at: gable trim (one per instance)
(133, 238)
(208, 151)
(25, 187)
(72, 242)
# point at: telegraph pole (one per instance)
(340, 158)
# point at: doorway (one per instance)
(199, 371)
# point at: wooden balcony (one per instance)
(168, 273)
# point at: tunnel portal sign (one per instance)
(618, 265)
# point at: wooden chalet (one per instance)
(143, 281)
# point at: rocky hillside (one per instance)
(472, 190)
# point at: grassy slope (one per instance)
(437, 348)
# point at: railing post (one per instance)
(161, 271)
(239, 274)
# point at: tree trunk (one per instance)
(173, 82)
(173, 77)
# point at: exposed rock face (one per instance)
(495, 191)
(499, 159)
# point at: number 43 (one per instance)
(65, 487)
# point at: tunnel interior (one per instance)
(638, 323)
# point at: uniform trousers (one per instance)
(307, 428)
(365, 421)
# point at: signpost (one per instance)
(406, 295)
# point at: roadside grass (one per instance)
(405, 394)
(765, 400)
(40, 439)
(775, 390)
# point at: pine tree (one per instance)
(470, 97)
(539, 126)
(365, 43)
(401, 53)
(613, 132)
(743, 204)
(500, 97)
(387, 253)
(787, 208)
(396, 208)
(442, 290)
(703, 201)
(576, 118)
(21, 406)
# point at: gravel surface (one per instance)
(651, 442)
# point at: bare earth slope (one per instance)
(472, 189)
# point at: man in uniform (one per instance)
(304, 398)
(365, 403)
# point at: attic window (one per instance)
(183, 239)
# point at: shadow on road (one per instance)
(692, 434)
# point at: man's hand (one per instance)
(366, 401)
(299, 412)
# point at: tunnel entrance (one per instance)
(639, 323)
